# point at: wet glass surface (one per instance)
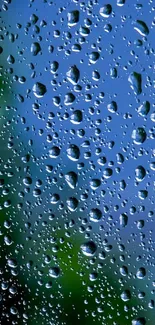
(77, 162)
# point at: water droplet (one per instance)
(73, 152)
(8, 240)
(55, 198)
(93, 57)
(72, 203)
(35, 48)
(27, 181)
(141, 28)
(93, 276)
(141, 273)
(144, 109)
(124, 270)
(69, 99)
(95, 75)
(54, 152)
(76, 117)
(106, 10)
(140, 173)
(142, 194)
(120, 3)
(123, 220)
(54, 272)
(54, 66)
(71, 179)
(112, 107)
(12, 263)
(135, 80)
(73, 74)
(95, 215)
(73, 17)
(139, 321)
(138, 135)
(126, 295)
(95, 183)
(89, 248)
(120, 158)
(34, 19)
(107, 173)
(39, 89)
(11, 59)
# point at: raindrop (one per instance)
(141, 27)
(54, 152)
(73, 17)
(95, 215)
(76, 117)
(140, 173)
(73, 75)
(123, 220)
(135, 80)
(72, 203)
(144, 109)
(138, 135)
(54, 272)
(71, 179)
(142, 194)
(39, 89)
(54, 67)
(106, 10)
(69, 99)
(120, 3)
(35, 48)
(73, 152)
(126, 295)
(93, 57)
(89, 248)
(141, 273)
(95, 183)
(139, 321)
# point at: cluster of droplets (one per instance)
(76, 174)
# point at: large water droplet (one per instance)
(126, 295)
(106, 10)
(54, 152)
(54, 272)
(73, 74)
(141, 273)
(76, 117)
(142, 194)
(39, 89)
(95, 215)
(124, 270)
(95, 183)
(138, 135)
(93, 57)
(140, 173)
(54, 67)
(72, 203)
(73, 152)
(141, 28)
(35, 48)
(123, 220)
(144, 109)
(71, 179)
(120, 3)
(69, 99)
(139, 321)
(135, 80)
(89, 248)
(73, 17)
